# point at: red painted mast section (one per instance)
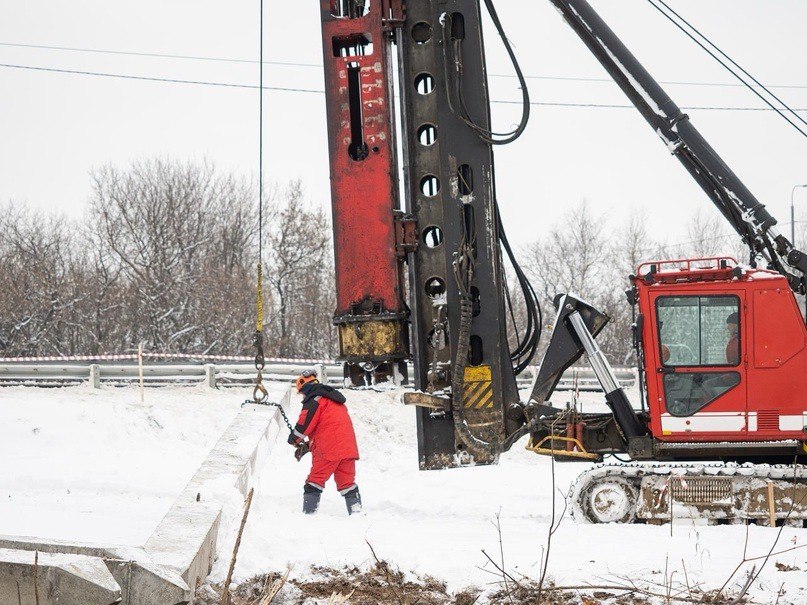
(364, 188)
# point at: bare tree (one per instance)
(179, 233)
(573, 258)
(707, 235)
(577, 258)
(634, 244)
(166, 257)
(38, 283)
(300, 274)
(103, 310)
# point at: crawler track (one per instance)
(717, 493)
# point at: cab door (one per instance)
(701, 377)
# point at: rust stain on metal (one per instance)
(371, 338)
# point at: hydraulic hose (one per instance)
(463, 274)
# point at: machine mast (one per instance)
(447, 229)
(371, 315)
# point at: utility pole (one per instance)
(793, 213)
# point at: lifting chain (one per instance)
(272, 404)
(260, 395)
(283, 413)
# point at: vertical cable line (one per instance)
(260, 146)
(259, 394)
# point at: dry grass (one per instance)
(383, 584)
(379, 584)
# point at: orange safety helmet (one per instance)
(305, 378)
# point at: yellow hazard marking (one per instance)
(478, 388)
(477, 374)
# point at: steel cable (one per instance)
(259, 393)
(727, 67)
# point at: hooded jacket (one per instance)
(325, 421)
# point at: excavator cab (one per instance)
(722, 358)
(725, 353)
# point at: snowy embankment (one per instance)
(437, 522)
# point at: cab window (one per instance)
(687, 393)
(697, 331)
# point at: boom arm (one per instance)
(747, 215)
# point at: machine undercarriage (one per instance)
(712, 493)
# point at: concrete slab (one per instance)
(185, 540)
(148, 584)
(59, 578)
(141, 580)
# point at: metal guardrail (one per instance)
(156, 374)
(229, 374)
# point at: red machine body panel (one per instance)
(363, 174)
(705, 384)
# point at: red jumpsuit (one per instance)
(324, 419)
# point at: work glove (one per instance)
(301, 450)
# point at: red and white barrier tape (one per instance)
(133, 356)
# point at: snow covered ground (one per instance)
(437, 522)
(98, 466)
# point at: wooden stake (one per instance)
(36, 576)
(225, 595)
(771, 504)
(140, 371)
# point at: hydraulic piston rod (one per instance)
(624, 415)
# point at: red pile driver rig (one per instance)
(721, 348)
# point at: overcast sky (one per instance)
(56, 127)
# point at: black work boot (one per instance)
(311, 496)
(353, 500)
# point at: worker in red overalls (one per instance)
(324, 420)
